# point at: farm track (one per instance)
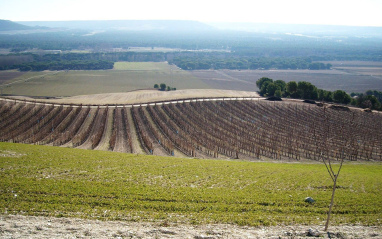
(136, 147)
(121, 134)
(104, 143)
(231, 128)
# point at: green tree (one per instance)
(328, 96)
(262, 80)
(281, 84)
(263, 89)
(156, 86)
(278, 93)
(306, 90)
(340, 96)
(321, 94)
(291, 89)
(271, 89)
(163, 86)
(368, 101)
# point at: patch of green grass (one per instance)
(143, 66)
(42, 180)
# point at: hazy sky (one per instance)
(333, 12)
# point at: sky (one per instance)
(324, 12)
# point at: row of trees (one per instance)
(235, 63)
(163, 87)
(74, 61)
(306, 90)
(184, 60)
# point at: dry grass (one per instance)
(144, 96)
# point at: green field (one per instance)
(42, 180)
(144, 66)
(127, 76)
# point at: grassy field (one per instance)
(127, 76)
(42, 180)
(144, 66)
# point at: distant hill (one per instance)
(6, 25)
(299, 29)
(132, 25)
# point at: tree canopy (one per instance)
(306, 90)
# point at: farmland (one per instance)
(124, 78)
(52, 181)
(241, 129)
(192, 161)
(347, 76)
(130, 76)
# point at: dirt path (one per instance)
(104, 142)
(16, 226)
(133, 134)
(121, 144)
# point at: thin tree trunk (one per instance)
(331, 202)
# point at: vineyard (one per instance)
(236, 129)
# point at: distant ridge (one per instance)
(332, 30)
(6, 25)
(132, 25)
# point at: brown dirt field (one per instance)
(9, 75)
(144, 96)
(355, 63)
(17, 226)
(351, 79)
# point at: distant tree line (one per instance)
(73, 61)
(238, 44)
(306, 90)
(371, 99)
(66, 65)
(184, 60)
(245, 63)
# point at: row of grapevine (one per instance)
(144, 139)
(219, 129)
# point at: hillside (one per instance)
(6, 25)
(144, 96)
(62, 182)
(244, 128)
(301, 30)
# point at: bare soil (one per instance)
(17, 226)
(347, 77)
(9, 75)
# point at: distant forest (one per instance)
(237, 44)
(190, 50)
(184, 60)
